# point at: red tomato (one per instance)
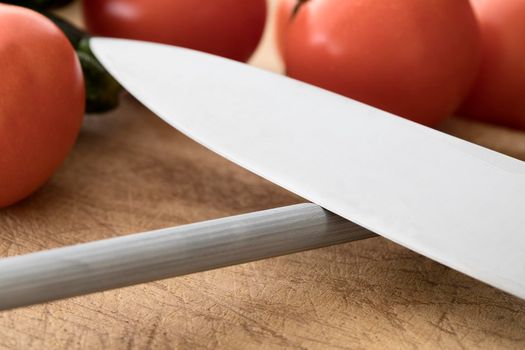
(413, 58)
(41, 101)
(229, 28)
(283, 16)
(498, 94)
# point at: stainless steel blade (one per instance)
(453, 201)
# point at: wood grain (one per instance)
(131, 172)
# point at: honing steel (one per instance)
(143, 257)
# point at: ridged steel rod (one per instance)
(143, 257)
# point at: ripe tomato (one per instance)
(229, 28)
(498, 94)
(283, 16)
(413, 58)
(41, 101)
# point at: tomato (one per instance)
(229, 28)
(41, 101)
(498, 94)
(283, 16)
(414, 58)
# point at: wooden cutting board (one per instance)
(131, 172)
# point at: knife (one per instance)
(443, 197)
(450, 200)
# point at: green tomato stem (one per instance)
(39, 4)
(297, 7)
(102, 90)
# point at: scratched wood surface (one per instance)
(131, 172)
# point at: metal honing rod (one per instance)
(143, 257)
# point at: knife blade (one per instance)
(452, 201)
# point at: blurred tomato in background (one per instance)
(414, 58)
(498, 94)
(283, 16)
(229, 28)
(41, 101)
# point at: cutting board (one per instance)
(130, 172)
